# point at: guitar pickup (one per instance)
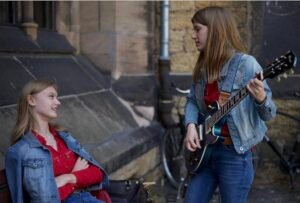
(200, 132)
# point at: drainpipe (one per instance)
(166, 102)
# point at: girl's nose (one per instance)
(57, 101)
(193, 35)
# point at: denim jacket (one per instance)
(246, 120)
(29, 169)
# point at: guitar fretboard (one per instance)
(232, 102)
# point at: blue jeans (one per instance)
(82, 197)
(232, 172)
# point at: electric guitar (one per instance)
(207, 130)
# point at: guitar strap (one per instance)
(229, 80)
(226, 86)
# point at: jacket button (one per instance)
(241, 148)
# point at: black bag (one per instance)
(128, 191)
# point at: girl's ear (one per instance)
(31, 100)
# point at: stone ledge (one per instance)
(124, 147)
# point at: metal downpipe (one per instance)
(166, 102)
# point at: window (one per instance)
(8, 12)
(44, 14)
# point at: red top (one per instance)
(63, 162)
(212, 94)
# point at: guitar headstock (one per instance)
(281, 65)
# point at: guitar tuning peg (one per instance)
(278, 79)
(291, 71)
(284, 75)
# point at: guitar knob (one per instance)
(284, 75)
(278, 79)
(291, 71)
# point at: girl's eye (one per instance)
(197, 29)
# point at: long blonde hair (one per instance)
(223, 39)
(24, 116)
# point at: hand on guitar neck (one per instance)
(256, 88)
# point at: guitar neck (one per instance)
(278, 66)
(224, 110)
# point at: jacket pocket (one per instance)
(34, 167)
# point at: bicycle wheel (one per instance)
(173, 156)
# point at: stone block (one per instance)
(183, 62)
(108, 16)
(137, 89)
(126, 146)
(131, 17)
(100, 49)
(57, 68)
(109, 110)
(189, 43)
(79, 119)
(201, 4)
(90, 16)
(7, 122)
(13, 39)
(182, 5)
(140, 166)
(180, 20)
(132, 62)
(12, 78)
(177, 35)
(176, 46)
(53, 42)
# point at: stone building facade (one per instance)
(112, 47)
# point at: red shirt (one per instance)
(63, 162)
(212, 94)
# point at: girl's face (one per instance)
(200, 35)
(44, 104)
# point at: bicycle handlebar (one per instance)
(179, 90)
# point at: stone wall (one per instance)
(183, 53)
(116, 36)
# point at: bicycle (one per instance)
(173, 146)
(172, 150)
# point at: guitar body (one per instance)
(195, 160)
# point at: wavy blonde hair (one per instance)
(24, 116)
(223, 39)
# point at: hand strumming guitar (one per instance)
(191, 138)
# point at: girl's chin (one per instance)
(54, 116)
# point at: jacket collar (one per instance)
(30, 138)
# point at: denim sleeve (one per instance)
(14, 175)
(191, 107)
(266, 110)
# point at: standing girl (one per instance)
(46, 164)
(230, 165)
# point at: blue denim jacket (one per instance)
(246, 120)
(29, 168)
